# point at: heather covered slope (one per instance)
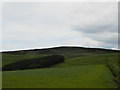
(67, 51)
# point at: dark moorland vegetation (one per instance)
(43, 62)
(67, 51)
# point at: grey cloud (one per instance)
(108, 39)
(96, 28)
(106, 34)
(106, 45)
(99, 25)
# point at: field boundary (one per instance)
(115, 74)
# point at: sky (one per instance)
(28, 25)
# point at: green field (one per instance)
(85, 76)
(78, 71)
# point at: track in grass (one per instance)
(84, 76)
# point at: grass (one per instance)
(70, 61)
(90, 60)
(85, 76)
(76, 72)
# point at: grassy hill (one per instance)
(83, 68)
(67, 52)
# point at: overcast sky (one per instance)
(49, 24)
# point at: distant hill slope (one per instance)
(66, 51)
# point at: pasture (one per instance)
(79, 70)
(84, 76)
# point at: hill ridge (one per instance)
(61, 50)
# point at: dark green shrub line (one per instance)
(115, 71)
(34, 63)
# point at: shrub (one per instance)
(34, 63)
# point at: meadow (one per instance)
(86, 70)
(84, 76)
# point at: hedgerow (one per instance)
(43, 62)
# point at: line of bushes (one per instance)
(43, 62)
(115, 71)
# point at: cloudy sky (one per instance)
(49, 24)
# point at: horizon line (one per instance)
(58, 46)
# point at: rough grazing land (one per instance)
(82, 68)
(86, 76)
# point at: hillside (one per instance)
(67, 51)
(82, 68)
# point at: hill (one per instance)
(63, 51)
(82, 68)
(67, 52)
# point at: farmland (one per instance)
(85, 76)
(80, 70)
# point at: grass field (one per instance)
(85, 76)
(78, 71)
(90, 59)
